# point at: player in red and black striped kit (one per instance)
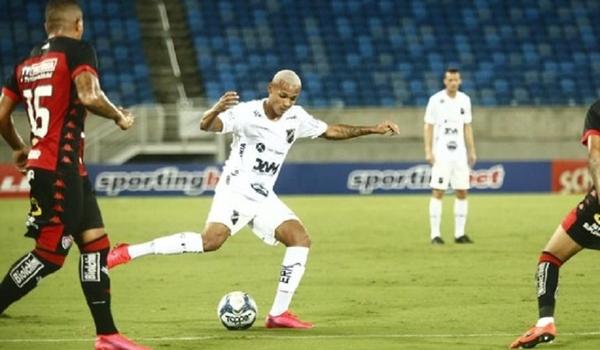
(579, 229)
(58, 83)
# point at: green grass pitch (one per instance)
(373, 281)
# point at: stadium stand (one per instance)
(112, 27)
(385, 52)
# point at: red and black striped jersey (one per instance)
(592, 122)
(45, 83)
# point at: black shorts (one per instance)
(63, 205)
(583, 222)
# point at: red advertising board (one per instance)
(12, 182)
(570, 176)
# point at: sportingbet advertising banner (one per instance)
(318, 178)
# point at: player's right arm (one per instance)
(428, 133)
(10, 133)
(94, 99)
(210, 120)
(593, 144)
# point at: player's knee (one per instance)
(437, 194)
(461, 194)
(213, 240)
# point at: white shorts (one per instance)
(457, 174)
(235, 211)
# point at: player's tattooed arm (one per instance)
(10, 133)
(594, 159)
(209, 121)
(344, 132)
(93, 98)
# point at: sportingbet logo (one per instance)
(571, 177)
(167, 179)
(417, 178)
(12, 183)
(265, 166)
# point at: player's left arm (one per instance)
(470, 142)
(10, 133)
(593, 144)
(344, 132)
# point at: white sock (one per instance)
(182, 242)
(292, 269)
(544, 321)
(435, 216)
(461, 208)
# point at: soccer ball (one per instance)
(237, 310)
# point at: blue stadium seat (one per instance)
(111, 26)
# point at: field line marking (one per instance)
(292, 337)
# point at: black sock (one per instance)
(547, 283)
(96, 283)
(23, 276)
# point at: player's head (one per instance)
(64, 17)
(284, 90)
(452, 80)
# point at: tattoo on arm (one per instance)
(93, 98)
(344, 132)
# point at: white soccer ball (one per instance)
(237, 310)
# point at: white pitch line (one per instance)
(294, 337)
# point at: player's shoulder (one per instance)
(463, 96)
(594, 111)
(67, 45)
(437, 97)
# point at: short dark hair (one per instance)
(56, 10)
(452, 70)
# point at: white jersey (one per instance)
(260, 145)
(449, 116)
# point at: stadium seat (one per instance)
(111, 26)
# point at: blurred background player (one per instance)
(264, 131)
(579, 229)
(450, 149)
(57, 83)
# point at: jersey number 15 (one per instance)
(39, 116)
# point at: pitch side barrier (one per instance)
(321, 178)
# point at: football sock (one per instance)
(547, 283)
(435, 216)
(292, 269)
(544, 321)
(93, 274)
(183, 242)
(24, 275)
(461, 208)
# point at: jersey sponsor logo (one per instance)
(25, 270)
(90, 267)
(417, 178)
(452, 145)
(37, 71)
(166, 179)
(291, 135)
(266, 167)
(450, 131)
(260, 189)
(242, 149)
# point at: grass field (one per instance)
(373, 281)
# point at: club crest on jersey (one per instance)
(291, 135)
(25, 270)
(235, 217)
(260, 147)
(66, 241)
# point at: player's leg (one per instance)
(224, 219)
(460, 182)
(439, 185)
(93, 274)
(45, 227)
(560, 248)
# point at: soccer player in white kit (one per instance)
(450, 149)
(263, 132)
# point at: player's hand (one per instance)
(228, 100)
(387, 127)
(472, 159)
(430, 157)
(20, 158)
(126, 120)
